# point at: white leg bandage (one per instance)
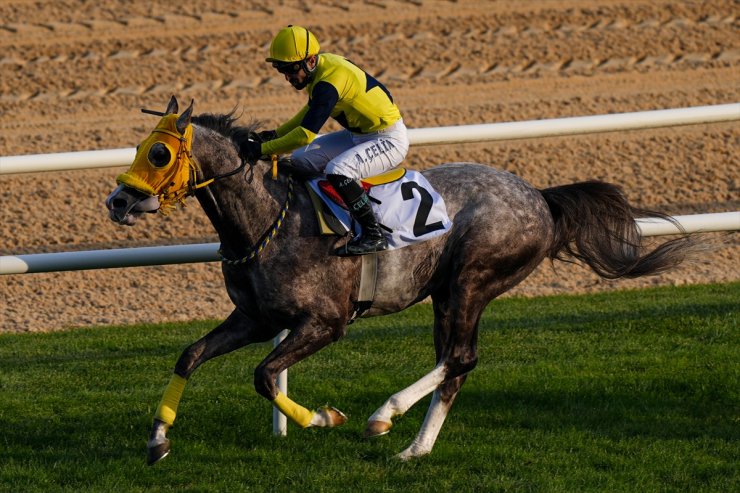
(402, 401)
(430, 429)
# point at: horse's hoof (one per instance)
(335, 416)
(157, 453)
(328, 417)
(377, 428)
(411, 453)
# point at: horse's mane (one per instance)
(224, 125)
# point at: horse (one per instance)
(280, 272)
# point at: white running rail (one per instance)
(578, 125)
(208, 252)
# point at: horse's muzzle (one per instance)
(125, 205)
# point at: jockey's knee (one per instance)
(299, 160)
(307, 161)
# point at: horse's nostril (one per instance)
(119, 203)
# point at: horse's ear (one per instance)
(184, 120)
(171, 106)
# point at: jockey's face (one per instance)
(295, 74)
(297, 79)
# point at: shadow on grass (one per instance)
(615, 414)
(547, 316)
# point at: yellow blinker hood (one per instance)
(171, 181)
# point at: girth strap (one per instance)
(368, 282)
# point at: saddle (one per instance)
(329, 224)
(405, 204)
(320, 190)
(366, 183)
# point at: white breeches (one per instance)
(354, 155)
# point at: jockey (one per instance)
(373, 141)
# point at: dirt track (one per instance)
(74, 75)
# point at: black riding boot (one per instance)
(371, 239)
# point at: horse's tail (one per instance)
(595, 224)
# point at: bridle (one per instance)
(185, 153)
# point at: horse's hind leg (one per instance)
(446, 334)
(442, 400)
(235, 332)
(455, 335)
(455, 340)
(381, 421)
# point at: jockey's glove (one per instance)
(267, 135)
(250, 150)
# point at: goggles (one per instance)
(287, 68)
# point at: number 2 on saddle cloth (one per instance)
(404, 202)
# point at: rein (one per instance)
(269, 234)
(267, 237)
(196, 186)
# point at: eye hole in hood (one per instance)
(159, 155)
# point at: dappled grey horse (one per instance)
(280, 273)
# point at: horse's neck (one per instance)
(241, 207)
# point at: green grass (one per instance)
(634, 391)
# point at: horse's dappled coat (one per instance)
(502, 229)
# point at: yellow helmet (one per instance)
(293, 44)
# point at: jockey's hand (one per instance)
(267, 135)
(250, 150)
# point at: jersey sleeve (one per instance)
(298, 137)
(324, 97)
(290, 136)
(305, 125)
(292, 123)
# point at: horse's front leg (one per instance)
(236, 331)
(302, 342)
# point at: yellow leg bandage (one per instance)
(298, 414)
(167, 409)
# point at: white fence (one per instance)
(615, 122)
(177, 254)
(208, 252)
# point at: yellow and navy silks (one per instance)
(170, 181)
(359, 103)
